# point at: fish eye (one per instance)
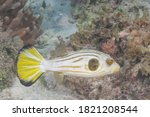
(93, 64)
(109, 61)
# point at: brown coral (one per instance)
(20, 22)
(109, 47)
(138, 46)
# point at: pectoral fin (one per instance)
(59, 76)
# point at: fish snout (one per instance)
(116, 68)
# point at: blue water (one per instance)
(56, 15)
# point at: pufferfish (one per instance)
(83, 63)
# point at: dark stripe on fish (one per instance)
(69, 58)
(78, 60)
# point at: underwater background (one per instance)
(120, 28)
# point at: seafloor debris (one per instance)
(19, 22)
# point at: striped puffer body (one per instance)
(85, 63)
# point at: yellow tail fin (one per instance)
(28, 65)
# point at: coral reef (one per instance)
(122, 32)
(109, 47)
(137, 49)
(20, 22)
(116, 27)
(97, 28)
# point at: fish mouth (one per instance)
(116, 68)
